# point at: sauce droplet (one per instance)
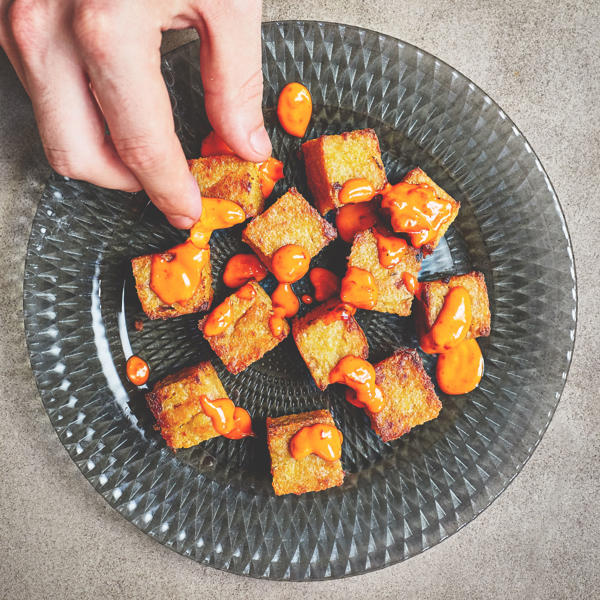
(219, 319)
(325, 282)
(355, 191)
(284, 297)
(359, 288)
(460, 369)
(175, 274)
(290, 263)
(270, 172)
(137, 370)
(389, 248)
(353, 218)
(213, 145)
(416, 210)
(277, 321)
(222, 413)
(241, 268)
(452, 323)
(246, 292)
(306, 299)
(320, 439)
(294, 108)
(359, 375)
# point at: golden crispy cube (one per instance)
(175, 404)
(331, 160)
(418, 176)
(154, 307)
(249, 335)
(392, 295)
(290, 220)
(322, 345)
(409, 395)
(434, 292)
(230, 178)
(312, 473)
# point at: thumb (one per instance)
(231, 67)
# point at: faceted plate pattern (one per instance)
(214, 503)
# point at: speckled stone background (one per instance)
(58, 538)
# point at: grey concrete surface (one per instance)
(59, 539)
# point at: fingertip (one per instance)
(261, 143)
(181, 221)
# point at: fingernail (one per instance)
(260, 142)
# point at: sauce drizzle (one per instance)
(355, 191)
(389, 248)
(353, 218)
(359, 288)
(359, 375)
(460, 369)
(270, 172)
(290, 263)
(416, 210)
(241, 268)
(320, 439)
(228, 420)
(325, 282)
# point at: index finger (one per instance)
(134, 99)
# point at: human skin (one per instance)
(90, 63)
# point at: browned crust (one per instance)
(290, 220)
(434, 292)
(230, 178)
(323, 186)
(321, 356)
(418, 176)
(174, 402)
(311, 474)
(249, 337)
(393, 296)
(153, 306)
(409, 395)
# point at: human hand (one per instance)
(87, 62)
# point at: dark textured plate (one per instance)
(214, 502)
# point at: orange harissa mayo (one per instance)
(306, 299)
(213, 145)
(270, 172)
(355, 191)
(221, 316)
(460, 369)
(416, 210)
(290, 263)
(320, 439)
(175, 274)
(138, 370)
(353, 218)
(359, 375)
(284, 297)
(451, 325)
(228, 420)
(339, 312)
(241, 268)
(359, 288)
(325, 282)
(411, 283)
(294, 108)
(389, 248)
